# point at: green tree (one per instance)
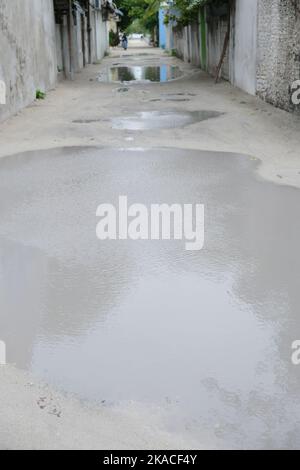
(142, 13)
(187, 10)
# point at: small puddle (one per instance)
(86, 121)
(173, 97)
(140, 54)
(156, 100)
(147, 120)
(142, 73)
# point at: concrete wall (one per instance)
(89, 40)
(78, 39)
(169, 38)
(194, 37)
(245, 45)
(100, 32)
(59, 47)
(62, 48)
(181, 43)
(98, 37)
(278, 51)
(264, 51)
(186, 42)
(28, 51)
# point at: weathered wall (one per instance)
(79, 41)
(100, 31)
(181, 43)
(59, 47)
(169, 38)
(186, 42)
(278, 50)
(244, 44)
(28, 51)
(194, 37)
(162, 29)
(62, 49)
(216, 32)
(264, 51)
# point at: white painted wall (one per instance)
(245, 46)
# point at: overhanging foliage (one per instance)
(141, 12)
(187, 11)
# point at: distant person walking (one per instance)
(125, 42)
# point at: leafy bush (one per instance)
(40, 95)
(114, 39)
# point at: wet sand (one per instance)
(38, 417)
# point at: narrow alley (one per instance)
(141, 344)
(85, 112)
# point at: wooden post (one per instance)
(225, 45)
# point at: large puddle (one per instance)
(205, 335)
(141, 73)
(162, 119)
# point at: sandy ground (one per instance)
(34, 416)
(31, 414)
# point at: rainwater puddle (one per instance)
(147, 120)
(182, 100)
(205, 335)
(141, 73)
(177, 97)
